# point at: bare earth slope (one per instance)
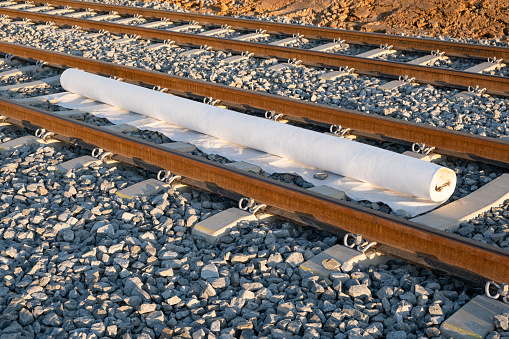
(467, 19)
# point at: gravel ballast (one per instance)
(79, 260)
(491, 227)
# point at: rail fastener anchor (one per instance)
(167, 177)
(362, 244)
(249, 205)
(422, 148)
(102, 155)
(476, 90)
(43, 134)
(211, 101)
(340, 131)
(272, 115)
(502, 291)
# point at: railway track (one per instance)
(363, 65)
(446, 141)
(399, 237)
(353, 37)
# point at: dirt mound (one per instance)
(463, 19)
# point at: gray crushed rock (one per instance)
(491, 227)
(78, 260)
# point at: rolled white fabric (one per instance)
(348, 158)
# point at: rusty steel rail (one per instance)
(423, 74)
(466, 145)
(398, 237)
(399, 42)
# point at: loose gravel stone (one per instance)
(320, 176)
(491, 227)
(25, 317)
(331, 264)
(359, 291)
(501, 322)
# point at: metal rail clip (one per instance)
(421, 148)
(210, 101)
(494, 60)
(502, 291)
(272, 115)
(248, 204)
(101, 154)
(298, 36)
(339, 131)
(476, 90)
(386, 46)
(362, 244)
(160, 89)
(294, 62)
(339, 42)
(43, 134)
(437, 53)
(347, 70)
(247, 54)
(406, 79)
(167, 176)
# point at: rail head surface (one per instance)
(399, 42)
(471, 146)
(414, 242)
(423, 74)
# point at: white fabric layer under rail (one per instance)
(355, 189)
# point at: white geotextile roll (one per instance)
(348, 158)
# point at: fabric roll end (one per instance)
(442, 185)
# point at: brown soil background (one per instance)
(459, 19)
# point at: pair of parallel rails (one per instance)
(398, 237)
(423, 74)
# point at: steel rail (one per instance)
(399, 42)
(467, 145)
(398, 237)
(423, 74)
